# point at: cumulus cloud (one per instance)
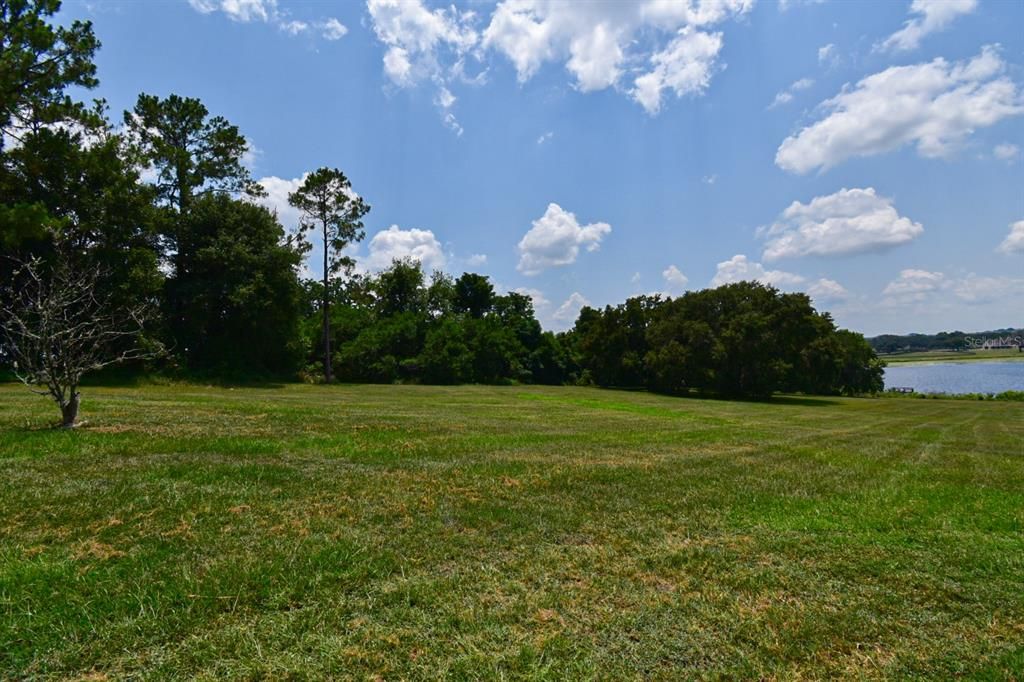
(915, 286)
(600, 44)
(827, 290)
(395, 243)
(828, 55)
(934, 105)
(332, 29)
(675, 280)
(476, 260)
(786, 96)
(1006, 152)
(555, 239)
(238, 10)
(684, 67)
(982, 289)
(267, 11)
(930, 16)
(1014, 242)
(740, 269)
(415, 36)
(846, 222)
(570, 309)
(418, 40)
(293, 27)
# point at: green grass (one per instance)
(1001, 355)
(520, 532)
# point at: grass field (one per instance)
(391, 532)
(1001, 355)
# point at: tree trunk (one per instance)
(327, 320)
(69, 410)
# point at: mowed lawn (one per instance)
(407, 532)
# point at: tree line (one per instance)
(212, 281)
(955, 340)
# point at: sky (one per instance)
(868, 153)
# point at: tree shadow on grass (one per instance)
(803, 401)
(776, 399)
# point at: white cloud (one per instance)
(740, 269)
(545, 137)
(787, 95)
(238, 10)
(932, 16)
(444, 99)
(1007, 152)
(787, 4)
(675, 280)
(570, 310)
(685, 67)
(293, 27)
(635, 279)
(418, 39)
(395, 244)
(934, 105)
(276, 200)
(979, 289)
(598, 42)
(710, 179)
(555, 239)
(846, 222)
(332, 29)
(476, 260)
(416, 36)
(828, 54)
(266, 11)
(913, 285)
(827, 290)
(1014, 242)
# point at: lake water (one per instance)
(957, 377)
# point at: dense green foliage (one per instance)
(397, 326)
(233, 301)
(417, 532)
(37, 62)
(741, 340)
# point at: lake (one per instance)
(957, 377)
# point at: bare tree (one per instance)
(56, 326)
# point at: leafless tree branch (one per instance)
(55, 326)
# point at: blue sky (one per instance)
(867, 152)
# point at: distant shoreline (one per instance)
(947, 357)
